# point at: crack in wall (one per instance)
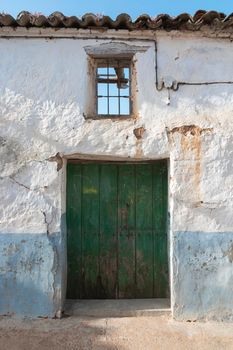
(21, 166)
(24, 186)
(20, 184)
(47, 222)
(16, 172)
(204, 204)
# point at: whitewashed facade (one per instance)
(184, 102)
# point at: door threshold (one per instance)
(117, 308)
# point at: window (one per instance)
(113, 88)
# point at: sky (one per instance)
(113, 7)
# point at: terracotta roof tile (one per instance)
(183, 21)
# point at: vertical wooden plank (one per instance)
(126, 231)
(73, 209)
(160, 198)
(108, 230)
(144, 231)
(90, 230)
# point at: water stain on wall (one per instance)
(191, 149)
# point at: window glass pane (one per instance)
(113, 90)
(124, 92)
(126, 73)
(101, 71)
(113, 105)
(102, 89)
(102, 105)
(124, 106)
(112, 72)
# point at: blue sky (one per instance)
(114, 7)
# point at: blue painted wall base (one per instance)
(203, 276)
(32, 273)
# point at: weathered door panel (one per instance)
(108, 231)
(117, 230)
(90, 231)
(126, 231)
(160, 194)
(144, 230)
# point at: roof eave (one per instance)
(105, 33)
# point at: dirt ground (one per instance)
(125, 333)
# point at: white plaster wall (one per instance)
(194, 62)
(43, 95)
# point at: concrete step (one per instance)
(118, 308)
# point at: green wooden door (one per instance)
(117, 230)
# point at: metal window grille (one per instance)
(113, 86)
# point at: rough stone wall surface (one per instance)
(44, 92)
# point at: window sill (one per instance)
(112, 117)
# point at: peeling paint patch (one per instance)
(57, 158)
(138, 132)
(90, 190)
(229, 253)
(190, 129)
